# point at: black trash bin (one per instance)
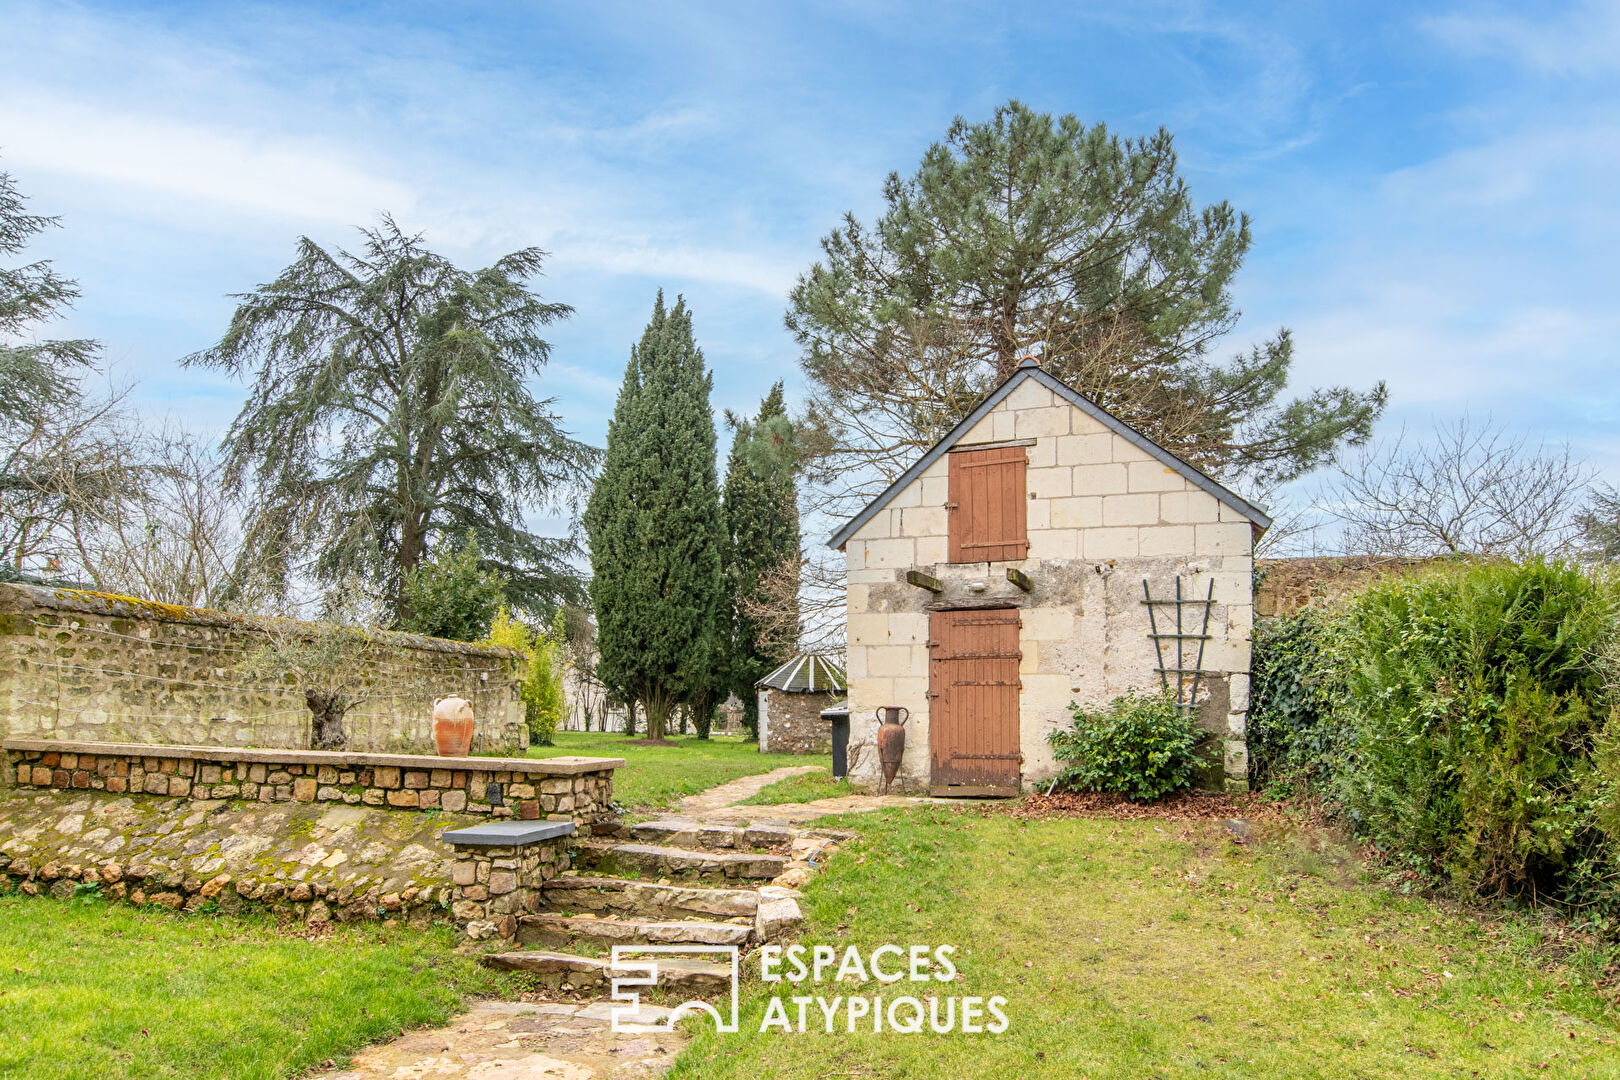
(838, 716)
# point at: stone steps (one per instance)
(591, 908)
(623, 896)
(686, 974)
(681, 833)
(558, 931)
(673, 861)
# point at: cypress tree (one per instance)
(654, 527)
(762, 548)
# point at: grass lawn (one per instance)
(1160, 949)
(654, 777)
(800, 789)
(97, 990)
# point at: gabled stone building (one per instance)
(1043, 553)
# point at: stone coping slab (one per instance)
(558, 766)
(507, 833)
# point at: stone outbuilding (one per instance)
(1043, 553)
(790, 702)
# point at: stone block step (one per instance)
(584, 892)
(553, 929)
(687, 974)
(657, 859)
(683, 833)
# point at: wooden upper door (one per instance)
(989, 506)
(973, 689)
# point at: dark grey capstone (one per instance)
(508, 833)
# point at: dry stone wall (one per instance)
(311, 863)
(92, 666)
(792, 723)
(574, 789)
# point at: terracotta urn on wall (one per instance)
(452, 726)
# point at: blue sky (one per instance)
(1432, 187)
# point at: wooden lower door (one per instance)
(973, 689)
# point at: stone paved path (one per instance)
(515, 1041)
(718, 804)
(737, 790)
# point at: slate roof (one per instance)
(1030, 369)
(807, 673)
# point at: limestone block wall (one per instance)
(792, 723)
(576, 789)
(1103, 516)
(91, 666)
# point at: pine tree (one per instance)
(1028, 231)
(762, 548)
(35, 376)
(654, 528)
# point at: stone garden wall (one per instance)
(792, 723)
(577, 789)
(92, 666)
(311, 863)
(313, 836)
(1283, 586)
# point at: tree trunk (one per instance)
(326, 720)
(630, 717)
(658, 710)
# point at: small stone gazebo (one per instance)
(790, 702)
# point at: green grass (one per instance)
(105, 991)
(654, 777)
(1160, 949)
(800, 789)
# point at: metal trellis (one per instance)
(1184, 699)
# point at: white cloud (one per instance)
(304, 179)
(1584, 41)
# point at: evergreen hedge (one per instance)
(1465, 721)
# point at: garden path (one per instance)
(741, 788)
(521, 1041)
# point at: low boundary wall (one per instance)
(577, 789)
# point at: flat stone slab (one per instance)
(674, 860)
(578, 892)
(525, 1042)
(550, 928)
(508, 833)
(557, 766)
(674, 971)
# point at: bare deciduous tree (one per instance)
(90, 494)
(1599, 523)
(1472, 489)
(58, 469)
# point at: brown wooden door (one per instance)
(973, 690)
(989, 508)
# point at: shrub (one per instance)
(1141, 746)
(1296, 729)
(454, 596)
(542, 690)
(1475, 706)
